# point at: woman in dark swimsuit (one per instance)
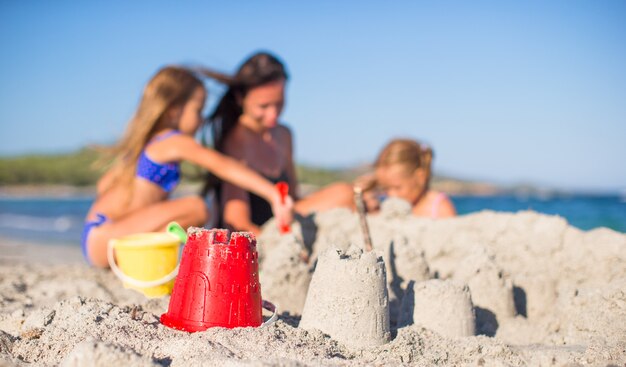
(245, 125)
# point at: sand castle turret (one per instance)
(443, 306)
(491, 287)
(348, 298)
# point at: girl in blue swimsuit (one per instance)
(134, 194)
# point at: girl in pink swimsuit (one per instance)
(403, 170)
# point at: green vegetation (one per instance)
(321, 176)
(60, 169)
(77, 169)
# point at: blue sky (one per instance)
(504, 91)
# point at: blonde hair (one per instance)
(409, 153)
(170, 86)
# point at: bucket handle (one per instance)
(136, 282)
(173, 228)
(270, 307)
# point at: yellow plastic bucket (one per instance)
(147, 262)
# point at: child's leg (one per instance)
(188, 211)
(332, 196)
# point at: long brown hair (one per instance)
(409, 153)
(170, 86)
(258, 69)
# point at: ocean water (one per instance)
(61, 220)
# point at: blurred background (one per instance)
(523, 102)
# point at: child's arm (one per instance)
(236, 208)
(230, 170)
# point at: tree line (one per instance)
(79, 169)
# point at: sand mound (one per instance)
(106, 354)
(543, 293)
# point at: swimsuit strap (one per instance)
(163, 136)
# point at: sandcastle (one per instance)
(443, 306)
(409, 246)
(348, 298)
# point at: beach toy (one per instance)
(147, 262)
(285, 229)
(348, 298)
(283, 189)
(218, 283)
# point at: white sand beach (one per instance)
(486, 289)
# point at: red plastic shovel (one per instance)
(285, 228)
(283, 189)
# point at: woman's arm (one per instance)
(226, 168)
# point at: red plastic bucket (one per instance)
(217, 283)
